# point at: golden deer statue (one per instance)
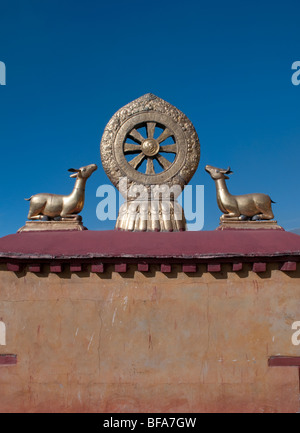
(254, 207)
(45, 206)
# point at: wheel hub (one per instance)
(150, 147)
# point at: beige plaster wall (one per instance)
(149, 342)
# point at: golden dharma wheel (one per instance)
(150, 142)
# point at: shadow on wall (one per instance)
(154, 268)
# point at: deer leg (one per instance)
(263, 216)
(37, 217)
(231, 215)
(71, 217)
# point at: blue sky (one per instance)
(71, 65)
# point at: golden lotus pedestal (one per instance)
(37, 226)
(254, 225)
(156, 215)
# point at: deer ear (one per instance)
(228, 171)
(74, 171)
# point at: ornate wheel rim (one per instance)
(126, 152)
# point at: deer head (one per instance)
(218, 173)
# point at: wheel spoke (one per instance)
(163, 161)
(169, 148)
(164, 135)
(133, 148)
(136, 136)
(150, 129)
(150, 166)
(137, 160)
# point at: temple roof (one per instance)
(89, 244)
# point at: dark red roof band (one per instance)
(77, 250)
(183, 245)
